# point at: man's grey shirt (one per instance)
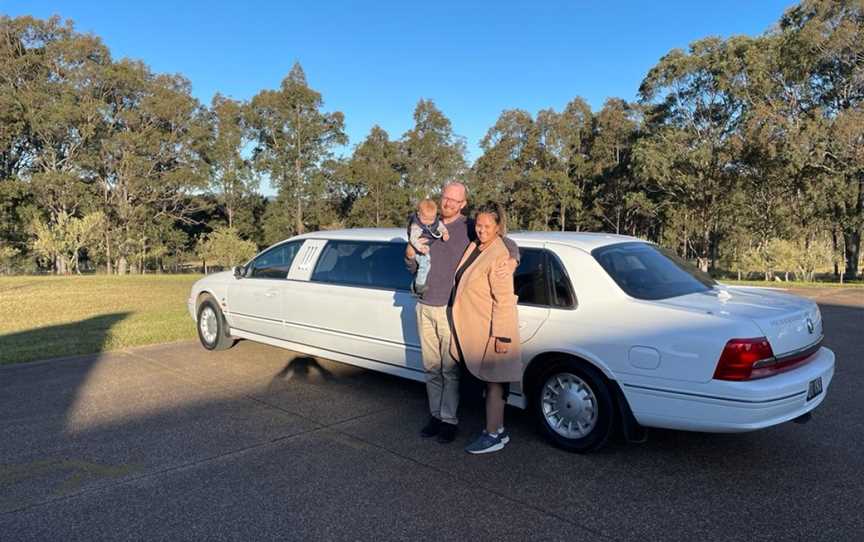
(445, 259)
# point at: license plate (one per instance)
(814, 389)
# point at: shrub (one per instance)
(224, 247)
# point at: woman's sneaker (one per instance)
(487, 443)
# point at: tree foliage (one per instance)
(224, 248)
(744, 154)
(293, 138)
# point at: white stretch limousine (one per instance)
(615, 332)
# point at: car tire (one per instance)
(212, 328)
(570, 393)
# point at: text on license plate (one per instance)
(814, 388)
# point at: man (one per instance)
(433, 325)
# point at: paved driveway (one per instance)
(171, 442)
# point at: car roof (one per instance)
(585, 240)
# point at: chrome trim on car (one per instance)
(807, 350)
(731, 399)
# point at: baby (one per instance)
(425, 224)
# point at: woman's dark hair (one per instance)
(496, 210)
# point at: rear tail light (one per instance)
(739, 357)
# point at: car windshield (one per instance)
(646, 271)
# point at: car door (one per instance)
(357, 302)
(255, 299)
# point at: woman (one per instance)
(485, 323)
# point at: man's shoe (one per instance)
(486, 443)
(447, 433)
(432, 428)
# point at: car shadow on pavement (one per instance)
(305, 369)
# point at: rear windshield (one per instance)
(647, 271)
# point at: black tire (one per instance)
(587, 399)
(212, 329)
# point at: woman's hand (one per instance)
(502, 345)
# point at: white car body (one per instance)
(662, 354)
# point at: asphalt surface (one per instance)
(175, 443)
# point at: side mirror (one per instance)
(238, 271)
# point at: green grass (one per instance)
(791, 284)
(48, 317)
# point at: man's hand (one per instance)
(501, 347)
(410, 252)
(506, 268)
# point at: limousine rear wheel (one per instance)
(212, 331)
(573, 405)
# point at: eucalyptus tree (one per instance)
(232, 178)
(621, 203)
(578, 138)
(503, 172)
(780, 190)
(373, 178)
(823, 42)
(50, 107)
(431, 154)
(21, 69)
(292, 138)
(564, 140)
(687, 151)
(151, 157)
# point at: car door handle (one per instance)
(270, 293)
(523, 325)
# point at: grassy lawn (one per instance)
(46, 317)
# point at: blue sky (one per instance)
(374, 60)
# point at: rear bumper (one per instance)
(729, 407)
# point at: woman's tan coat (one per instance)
(484, 308)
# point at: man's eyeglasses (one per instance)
(451, 200)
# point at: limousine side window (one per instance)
(275, 263)
(530, 278)
(540, 280)
(562, 290)
(363, 263)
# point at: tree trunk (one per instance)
(105, 196)
(703, 259)
(852, 240)
(299, 193)
(122, 265)
(108, 268)
(563, 215)
(62, 267)
(713, 242)
(834, 253)
(852, 233)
